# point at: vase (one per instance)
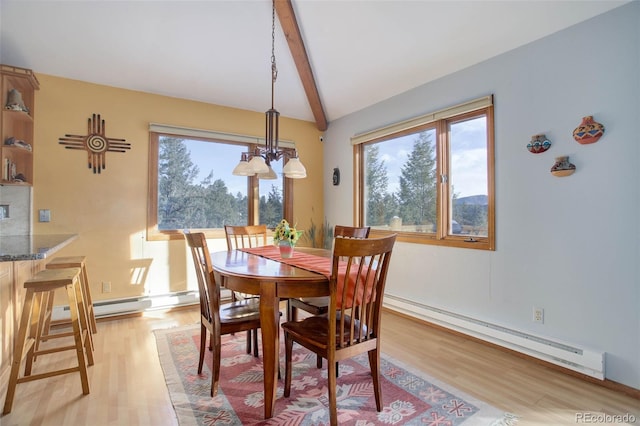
(286, 249)
(589, 131)
(563, 167)
(538, 144)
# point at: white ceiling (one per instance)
(217, 51)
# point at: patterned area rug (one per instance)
(409, 397)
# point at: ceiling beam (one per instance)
(289, 25)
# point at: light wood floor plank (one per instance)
(127, 384)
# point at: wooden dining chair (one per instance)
(216, 319)
(245, 236)
(319, 305)
(239, 237)
(358, 277)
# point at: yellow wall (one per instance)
(108, 210)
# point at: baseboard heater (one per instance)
(109, 308)
(582, 360)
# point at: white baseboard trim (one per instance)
(582, 360)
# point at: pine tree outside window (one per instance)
(430, 178)
(191, 186)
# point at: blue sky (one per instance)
(468, 155)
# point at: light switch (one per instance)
(45, 215)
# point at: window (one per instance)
(430, 178)
(191, 185)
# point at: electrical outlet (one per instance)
(538, 315)
(4, 211)
(106, 287)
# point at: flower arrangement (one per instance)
(285, 232)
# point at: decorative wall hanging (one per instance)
(95, 143)
(589, 131)
(539, 143)
(336, 176)
(563, 167)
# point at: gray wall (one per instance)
(569, 245)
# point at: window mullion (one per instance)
(443, 187)
(253, 190)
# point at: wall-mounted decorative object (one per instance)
(589, 131)
(15, 102)
(336, 176)
(95, 143)
(539, 143)
(563, 167)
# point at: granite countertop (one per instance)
(32, 247)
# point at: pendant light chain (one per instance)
(258, 162)
(274, 69)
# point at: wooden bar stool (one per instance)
(74, 262)
(43, 283)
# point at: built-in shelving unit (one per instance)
(16, 125)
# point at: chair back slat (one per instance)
(245, 236)
(359, 271)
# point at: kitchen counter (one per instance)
(32, 247)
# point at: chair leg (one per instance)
(292, 312)
(254, 332)
(34, 329)
(45, 317)
(78, 332)
(288, 351)
(46, 303)
(203, 344)
(249, 341)
(88, 300)
(331, 384)
(83, 322)
(319, 365)
(215, 367)
(374, 364)
(18, 354)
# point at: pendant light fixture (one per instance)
(259, 161)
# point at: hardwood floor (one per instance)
(128, 388)
(536, 393)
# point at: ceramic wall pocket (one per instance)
(539, 143)
(562, 167)
(589, 131)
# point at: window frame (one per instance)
(253, 188)
(441, 120)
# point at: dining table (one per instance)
(273, 279)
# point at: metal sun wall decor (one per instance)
(96, 143)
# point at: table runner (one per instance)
(323, 265)
(309, 262)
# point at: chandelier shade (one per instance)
(271, 174)
(294, 169)
(243, 169)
